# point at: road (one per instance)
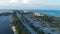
(25, 24)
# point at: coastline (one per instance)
(14, 30)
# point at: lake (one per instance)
(4, 25)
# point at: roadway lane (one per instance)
(25, 24)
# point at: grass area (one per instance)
(20, 29)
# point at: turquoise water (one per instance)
(48, 12)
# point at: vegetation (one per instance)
(20, 29)
(51, 20)
(37, 29)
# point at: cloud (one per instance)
(26, 1)
(13, 1)
(32, 4)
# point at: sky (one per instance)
(30, 4)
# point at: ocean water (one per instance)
(48, 12)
